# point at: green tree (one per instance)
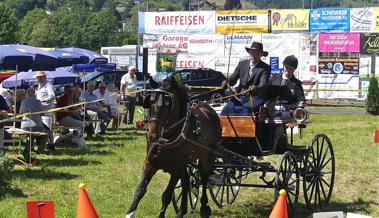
(22, 7)
(27, 24)
(44, 35)
(8, 25)
(100, 30)
(372, 104)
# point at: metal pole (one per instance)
(15, 98)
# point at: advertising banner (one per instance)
(290, 20)
(361, 19)
(279, 46)
(242, 21)
(370, 43)
(174, 42)
(364, 66)
(376, 20)
(339, 42)
(224, 64)
(209, 45)
(235, 44)
(307, 68)
(181, 22)
(329, 20)
(338, 65)
(193, 61)
(338, 82)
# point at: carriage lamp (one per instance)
(300, 115)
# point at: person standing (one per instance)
(128, 93)
(45, 94)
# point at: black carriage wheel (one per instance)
(287, 178)
(193, 192)
(221, 191)
(318, 172)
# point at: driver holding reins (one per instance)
(253, 75)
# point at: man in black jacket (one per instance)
(254, 75)
(285, 87)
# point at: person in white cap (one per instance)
(45, 94)
(127, 92)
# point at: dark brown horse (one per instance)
(174, 127)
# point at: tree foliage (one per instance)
(8, 25)
(28, 23)
(372, 104)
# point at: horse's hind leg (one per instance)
(167, 194)
(148, 173)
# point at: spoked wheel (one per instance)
(224, 184)
(318, 172)
(287, 178)
(193, 192)
(215, 97)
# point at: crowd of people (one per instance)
(87, 111)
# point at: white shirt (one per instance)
(130, 84)
(45, 93)
(110, 98)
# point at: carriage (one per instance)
(246, 141)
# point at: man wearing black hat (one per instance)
(254, 75)
(285, 86)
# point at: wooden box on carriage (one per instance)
(237, 126)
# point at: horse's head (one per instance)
(166, 107)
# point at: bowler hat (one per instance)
(258, 47)
(290, 61)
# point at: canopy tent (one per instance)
(94, 58)
(93, 67)
(68, 58)
(25, 79)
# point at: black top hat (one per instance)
(258, 47)
(291, 61)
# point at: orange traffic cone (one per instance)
(85, 207)
(280, 209)
(376, 136)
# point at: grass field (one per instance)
(111, 170)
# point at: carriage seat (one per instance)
(237, 126)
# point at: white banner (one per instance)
(307, 68)
(150, 41)
(235, 44)
(222, 64)
(178, 43)
(364, 65)
(338, 82)
(181, 22)
(361, 19)
(208, 45)
(280, 46)
(190, 61)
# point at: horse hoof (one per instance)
(131, 215)
(205, 212)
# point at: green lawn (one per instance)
(111, 169)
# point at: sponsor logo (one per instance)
(325, 71)
(276, 18)
(338, 68)
(329, 65)
(322, 65)
(347, 67)
(315, 15)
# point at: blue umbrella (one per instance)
(42, 60)
(68, 58)
(25, 79)
(93, 67)
(10, 58)
(94, 58)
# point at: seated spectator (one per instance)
(94, 110)
(77, 92)
(3, 115)
(33, 122)
(109, 94)
(70, 117)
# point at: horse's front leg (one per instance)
(167, 194)
(206, 166)
(185, 184)
(147, 174)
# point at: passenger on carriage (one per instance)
(254, 75)
(285, 91)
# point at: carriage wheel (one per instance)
(221, 191)
(318, 172)
(287, 178)
(193, 192)
(216, 96)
